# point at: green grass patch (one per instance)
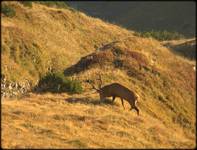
(27, 3)
(118, 63)
(56, 4)
(8, 10)
(57, 83)
(161, 35)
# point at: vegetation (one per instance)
(56, 39)
(161, 35)
(27, 3)
(8, 10)
(57, 4)
(57, 117)
(25, 53)
(57, 83)
(118, 63)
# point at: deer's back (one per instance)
(118, 90)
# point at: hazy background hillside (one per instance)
(144, 16)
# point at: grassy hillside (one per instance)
(61, 121)
(41, 39)
(34, 44)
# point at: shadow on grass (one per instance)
(87, 100)
(80, 66)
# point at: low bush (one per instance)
(57, 83)
(118, 63)
(8, 11)
(161, 35)
(58, 4)
(27, 3)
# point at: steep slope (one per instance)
(61, 121)
(83, 47)
(41, 39)
(161, 83)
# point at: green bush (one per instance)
(161, 35)
(117, 52)
(118, 63)
(8, 11)
(57, 83)
(58, 4)
(27, 3)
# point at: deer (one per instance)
(117, 90)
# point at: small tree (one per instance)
(57, 83)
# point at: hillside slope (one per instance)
(61, 121)
(43, 39)
(33, 35)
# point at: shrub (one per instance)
(117, 52)
(161, 35)
(57, 4)
(73, 86)
(57, 83)
(118, 63)
(8, 11)
(27, 3)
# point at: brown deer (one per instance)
(117, 90)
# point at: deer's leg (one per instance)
(122, 102)
(137, 110)
(134, 107)
(113, 99)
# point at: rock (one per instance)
(10, 86)
(15, 93)
(2, 86)
(12, 89)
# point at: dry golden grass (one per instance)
(61, 35)
(79, 121)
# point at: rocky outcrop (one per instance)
(13, 89)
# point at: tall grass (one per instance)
(57, 4)
(27, 3)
